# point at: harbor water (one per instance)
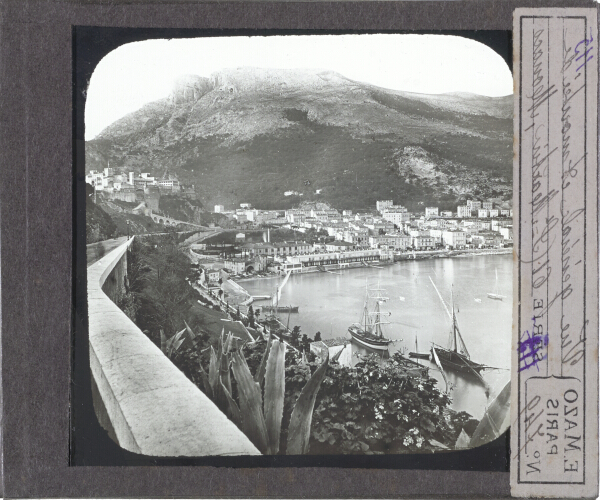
(329, 303)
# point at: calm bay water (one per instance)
(329, 303)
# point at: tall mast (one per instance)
(366, 307)
(377, 331)
(454, 321)
(417, 349)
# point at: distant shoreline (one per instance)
(434, 254)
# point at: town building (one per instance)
(235, 265)
(431, 212)
(299, 263)
(359, 237)
(219, 209)
(463, 211)
(395, 216)
(277, 249)
(339, 246)
(474, 204)
(398, 241)
(507, 233)
(488, 239)
(169, 184)
(436, 234)
(95, 179)
(454, 239)
(423, 242)
(380, 226)
(383, 205)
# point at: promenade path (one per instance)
(95, 251)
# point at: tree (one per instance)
(295, 340)
(317, 337)
(305, 342)
(159, 272)
(251, 316)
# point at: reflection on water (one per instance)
(329, 303)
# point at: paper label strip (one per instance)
(554, 406)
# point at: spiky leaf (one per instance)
(214, 378)
(205, 382)
(189, 330)
(224, 366)
(175, 342)
(492, 423)
(163, 342)
(213, 369)
(299, 428)
(234, 411)
(227, 342)
(463, 440)
(337, 355)
(253, 421)
(274, 394)
(260, 373)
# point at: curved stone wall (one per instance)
(152, 407)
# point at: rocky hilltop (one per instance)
(251, 135)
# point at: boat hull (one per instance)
(412, 368)
(293, 309)
(374, 344)
(419, 355)
(455, 361)
(493, 296)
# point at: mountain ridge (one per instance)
(254, 122)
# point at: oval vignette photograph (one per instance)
(300, 244)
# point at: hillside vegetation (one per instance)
(98, 224)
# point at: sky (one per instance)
(141, 72)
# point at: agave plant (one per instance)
(170, 346)
(217, 383)
(261, 398)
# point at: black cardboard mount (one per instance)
(39, 220)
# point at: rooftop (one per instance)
(335, 342)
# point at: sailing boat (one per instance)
(368, 332)
(495, 295)
(456, 357)
(276, 297)
(418, 355)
